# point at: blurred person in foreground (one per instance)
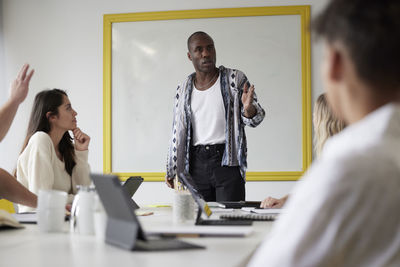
(10, 188)
(344, 211)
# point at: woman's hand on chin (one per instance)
(81, 140)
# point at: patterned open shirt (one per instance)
(235, 154)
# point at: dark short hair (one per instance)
(370, 31)
(189, 40)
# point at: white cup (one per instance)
(51, 210)
(183, 207)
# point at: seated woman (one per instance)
(325, 125)
(49, 159)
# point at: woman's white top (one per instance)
(39, 167)
(346, 210)
(208, 113)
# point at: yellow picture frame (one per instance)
(302, 11)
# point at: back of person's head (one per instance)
(370, 32)
(326, 124)
(46, 104)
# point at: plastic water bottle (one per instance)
(82, 211)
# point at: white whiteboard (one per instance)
(149, 60)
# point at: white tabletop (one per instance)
(30, 247)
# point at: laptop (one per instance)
(123, 227)
(131, 185)
(204, 209)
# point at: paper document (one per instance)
(29, 217)
(158, 206)
(216, 210)
(263, 211)
(239, 231)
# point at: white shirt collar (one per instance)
(366, 131)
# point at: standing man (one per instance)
(10, 188)
(345, 211)
(212, 106)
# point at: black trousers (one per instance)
(215, 182)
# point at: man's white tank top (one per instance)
(208, 115)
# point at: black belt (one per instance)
(208, 148)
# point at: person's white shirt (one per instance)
(345, 211)
(208, 113)
(39, 167)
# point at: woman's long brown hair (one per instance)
(49, 101)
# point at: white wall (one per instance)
(63, 41)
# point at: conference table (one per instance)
(30, 247)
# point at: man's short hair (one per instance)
(370, 31)
(189, 40)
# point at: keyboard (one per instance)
(249, 217)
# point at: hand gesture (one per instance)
(247, 96)
(20, 86)
(169, 182)
(81, 140)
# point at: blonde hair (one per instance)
(326, 124)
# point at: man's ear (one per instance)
(335, 64)
(189, 56)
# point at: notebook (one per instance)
(123, 227)
(26, 217)
(204, 208)
(263, 211)
(8, 221)
(250, 217)
(200, 231)
(254, 215)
